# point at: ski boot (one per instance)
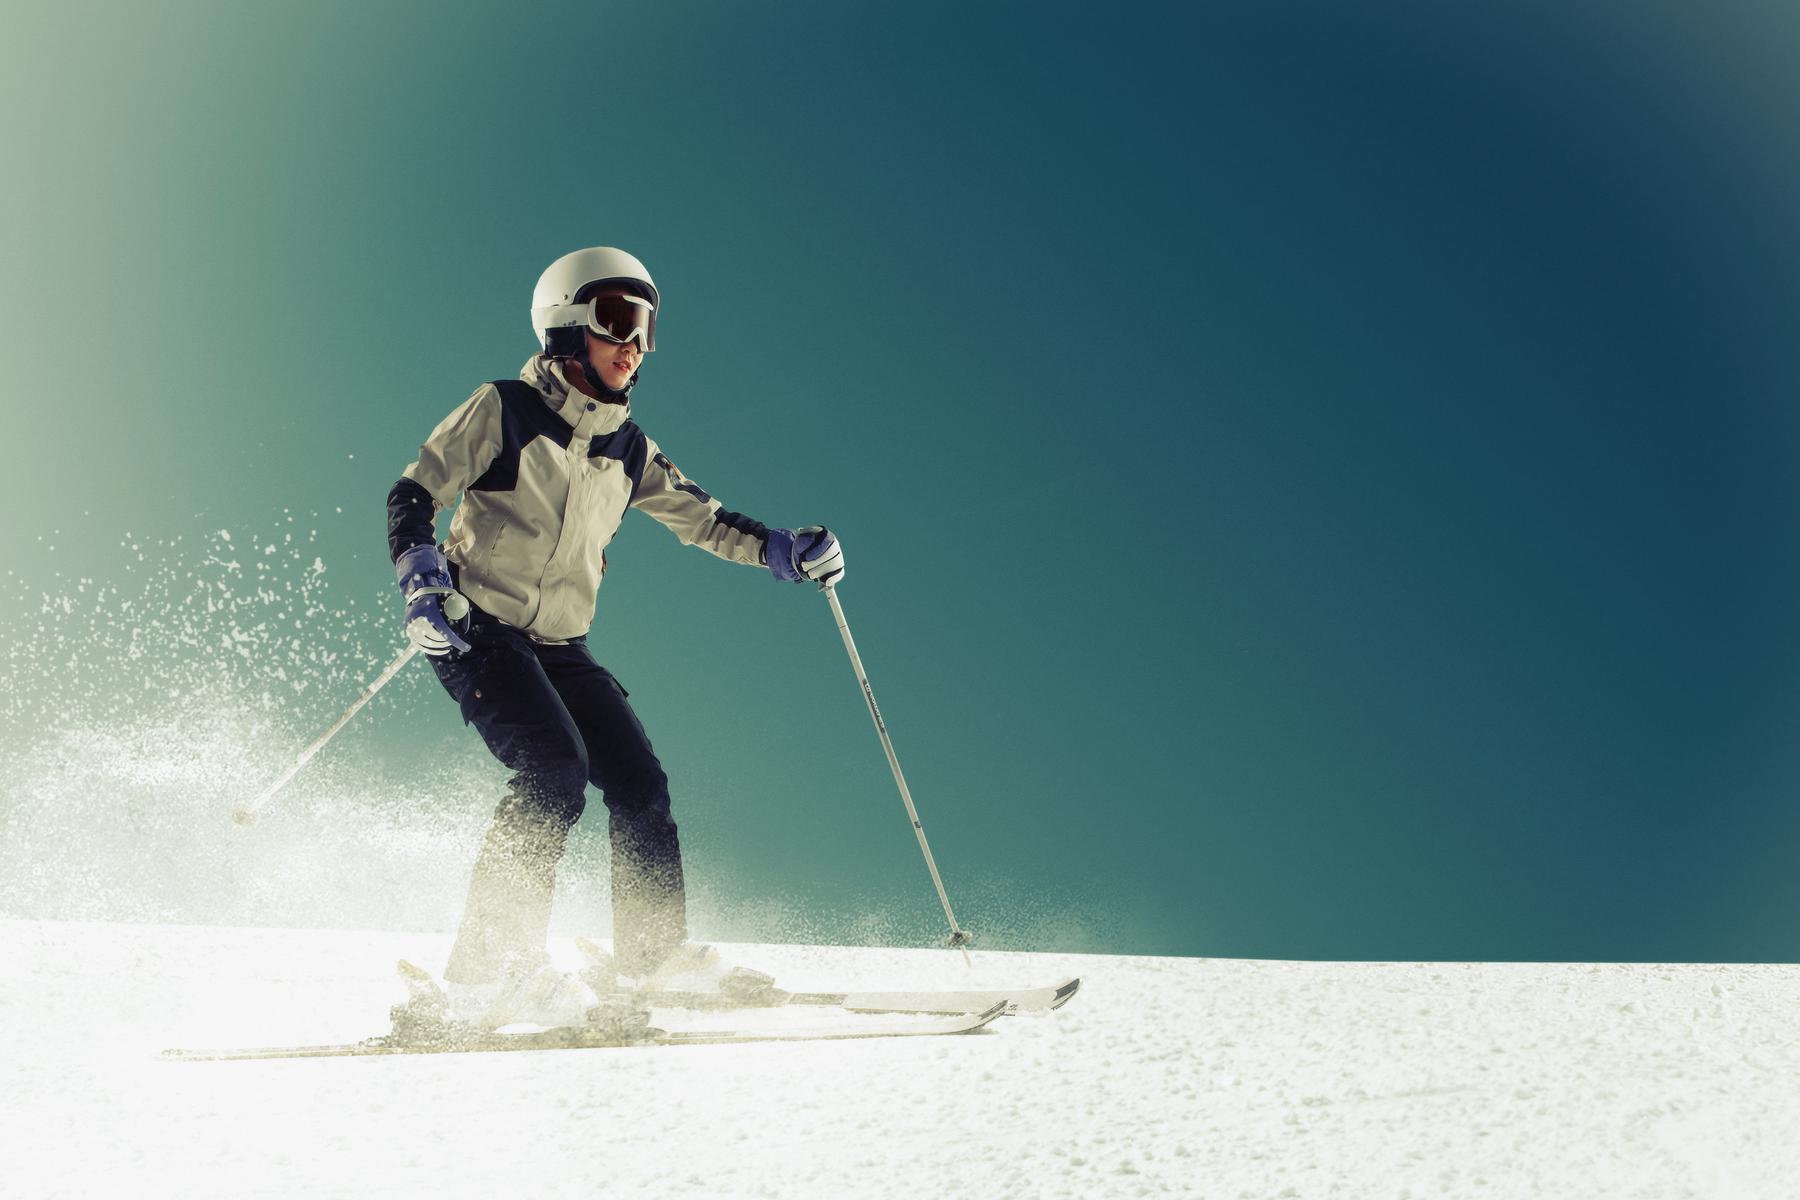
(424, 1016)
(534, 992)
(695, 971)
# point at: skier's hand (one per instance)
(431, 603)
(810, 552)
(431, 628)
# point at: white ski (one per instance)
(577, 1038)
(975, 1000)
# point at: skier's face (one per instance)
(613, 362)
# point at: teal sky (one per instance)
(1317, 480)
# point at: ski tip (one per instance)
(1065, 992)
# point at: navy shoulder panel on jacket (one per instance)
(524, 417)
(626, 445)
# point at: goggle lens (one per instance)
(622, 319)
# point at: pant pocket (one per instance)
(478, 678)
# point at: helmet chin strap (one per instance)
(610, 394)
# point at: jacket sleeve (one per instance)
(464, 444)
(695, 517)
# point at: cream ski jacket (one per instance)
(545, 474)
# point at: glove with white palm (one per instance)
(807, 553)
(432, 605)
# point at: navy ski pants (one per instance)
(559, 721)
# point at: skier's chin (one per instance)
(598, 379)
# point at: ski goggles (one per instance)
(623, 319)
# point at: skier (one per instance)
(546, 466)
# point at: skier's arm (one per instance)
(695, 517)
(810, 553)
(463, 445)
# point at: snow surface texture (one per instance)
(1164, 1077)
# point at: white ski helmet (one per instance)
(561, 303)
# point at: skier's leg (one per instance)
(649, 903)
(504, 692)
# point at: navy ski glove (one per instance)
(810, 552)
(431, 603)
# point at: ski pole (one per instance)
(245, 814)
(959, 937)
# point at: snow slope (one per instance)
(1165, 1077)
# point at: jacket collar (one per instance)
(587, 416)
